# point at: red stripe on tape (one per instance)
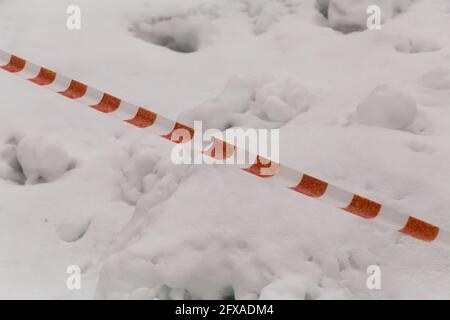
(180, 133)
(420, 229)
(144, 118)
(75, 90)
(108, 104)
(45, 77)
(311, 186)
(15, 64)
(363, 207)
(263, 168)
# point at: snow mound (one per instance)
(252, 102)
(199, 245)
(41, 159)
(387, 108)
(437, 79)
(351, 15)
(417, 45)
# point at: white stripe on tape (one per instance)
(392, 218)
(30, 71)
(162, 126)
(92, 97)
(337, 197)
(4, 58)
(286, 177)
(60, 84)
(126, 111)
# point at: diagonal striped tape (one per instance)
(148, 120)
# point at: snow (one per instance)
(438, 79)
(252, 102)
(41, 159)
(417, 45)
(290, 288)
(10, 169)
(178, 34)
(80, 188)
(387, 108)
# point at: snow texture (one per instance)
(387, 108)
(250, 102)
(42, 160)
(366, 110)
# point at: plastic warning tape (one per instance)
(148, 120)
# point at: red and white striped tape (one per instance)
(174, 131)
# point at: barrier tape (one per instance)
(148, 120)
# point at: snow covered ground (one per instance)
(79, 188)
